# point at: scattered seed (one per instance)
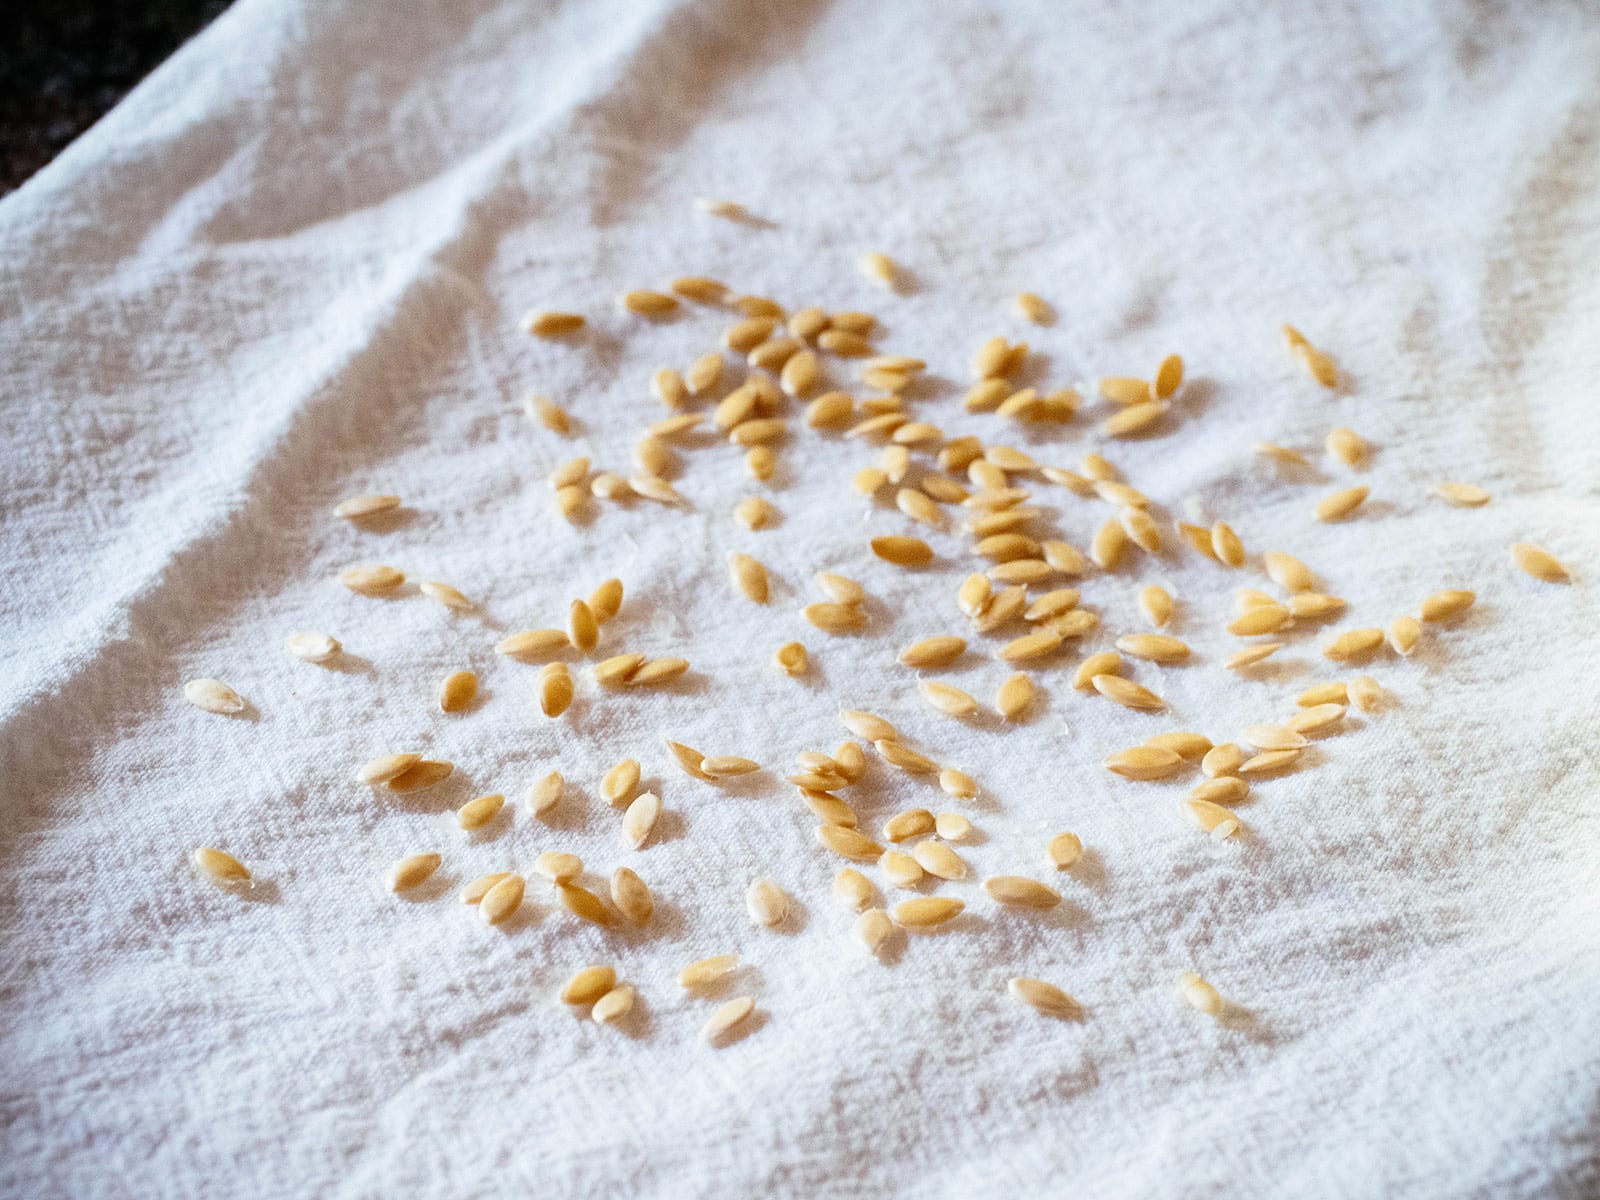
(791, 658)
(1404, 634)
(410, 872)
(609, 486)
(357, 507)
(728, 766)
(1198, 994)
(957, 784)
(421, 775)
(1314, 606)
(1169, 376)
(546, 794)
(381, 770)
(573, 471)
(1108, 545)
(1250, 655)
(213, 696)
(1352, 644)
(843, 343)
(613, 1006)
(1021, 891)
(583, 903)
(1155, 602)
(1106, 662)
(532, 644)
(952, 826)
(1212, 818)
(558, 866)
(1338, 505)
(1224, 789)
(904, 758)
(1032, 308)
(220, 865)
(1064, 850)
(933, 652)
(707, 971)
(1316, 718)
(749, 576)
(588, 985)
(766, 903)
(1262, 618)
(939, 860)
(850, 843)
(1189, 746)
(873, 929)
(1539, 563)
(1268, 761)
(903, 551)
(619, 783)
(1143, 762)
(1365, 693)
(1288, 572)
(879, 268)
(618, 670)
(1015, 697)
(475, 814)
(1273, 737)
(1135, 418)
(927, 912)
(1282, 454)
(1153, 647)
(867, 725)
(1127, 693)
(445, 594)
(640, 819)
(1461, 495)
(853, 889)
(1323, 693)
(835, 618)
(1124, 389)
(546, 324)
(1221, 760)
(371, 580)
(1345, 445)
(458, 690)
(1045, 997)
(1441, 606)
(475, 891)
(647, 303)
(502, 900)
(947, 699)
(1226, 547)
(901, 869)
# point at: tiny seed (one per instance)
(1198, 994)
(502, 900)
(1045, 997)
(1127, 693)
(220, 865)
(1135, 418)
(1268, 761)
(1539, 563)
(853, 889)
(1021, 891)
(617, 670)
(1212, 818)
(1288, 572)
(420, 776)
(475, 891)
(475, 814)
(410, 872)
(1338, 505)
(766, 903)
(213, 696)
(1190, 746)
(1169, 376)
(357, 507)
(927, 912)
(904, 758)
(458, 691)
(1441, 606)
(1064, 850)
(1155, 602)
(933, 652)
(1226, 546)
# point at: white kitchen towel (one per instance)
(290, 268)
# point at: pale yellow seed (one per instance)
(947, 698)
(1108, 545)
(654, 460)
(547, 324)
(843, 343)
(220, 865)
(760, 463)
(501, 901)
(1441, 606)
(1191, 746)
(701, 289)
(1251, 655)
(850, 843)
(952, 827)
(617, 670)
(475, 814)
(933, 652)
(588, 985)
(573, 471)
(927, 912)
(1212, 818)
(774, 354)
(1317, 718)
(986, 396)
(919, 507)
(1226, 546)
(754, 512)
(992, 359)
(1287, 571)
(1021, 891)
(1224, 789)
(669, 387)
(1404, 634)
(647, 303)
(475, 891)
(1268, 761)
(558, 866)
(748, 334)
(867, 725)
(850, 760)
(1354, 643)
(1064, 850)
(412, 872)
(1068, 559)
(584, 904)
(1539, 563)
(1314, 606)
(904, 758)
(640, 819)
(421, 776)
(533, 644)
(728, 766)
(853, 889)
(879, 268)
(901, 869)
(1030, 646)
(1198, 994)
(1222, 760)
(1153, 647)
(1143, 762)
(213, 696)
(1338, 505)
(619, 783)
(609, 486)
(1197, 536)
(1032, 308)
(1345, 445)
(1155, 602)
(1135, 419)
(939, 860)
(872, 930)
(1323, 693)
(1006, 605)
(749, 576)
(706, 971)
(1106, 662)
(1262, 618)
(381, 770)
(1169, 377)
(1045, 997)
(766, 903)
(758, 306)
(546, 794)
(957, 784)
(728, 210)
(835, 618)
(631, 897)
(1095, 466)
(1365, 693)
(903, 551)
(974, 594)
(791, 658)
(458, 691)
(312, 647)
(1015, 697)
(1283, 454)
(371, 580)
(1320, 365)
(831, 410)
(357, 507)
(1272, 737)
(1124, 389)
(909, 824)
(1127, 693)
(1461, 495)
(613, 1006)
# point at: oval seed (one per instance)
(1224, 789)
(1030, 646)
(903, 757)
(583, 903)
(555, 689)
(1226, 546)
(927, 912)
(707, 971)
(1064, 850)
(657, 670)
(213, 696)
(903, 551)
(371, 580)
(631, 896)
(754, 512)
(617, 785)
(749, 576)
(1287, 571)
(220, 865)
(1441, 606)
(1153, 647)
(1250, 655)
(1021, 891)
(727, 766)
(1314, 606)
(848, 842)
(1268, 761)
(1404, 634)
(1273, 737)
(421, 775)
(1136, 418)
(939, 860)
(357, 507)
(558, 866)
(458, 691)
(1045, 997)
(1461, 495)
(613, 1006)
(1169, 375)
(546, 324)
(1222, 760)
(1365, 693)
(1283, 454)
(947, 699)
(546, 794)
(1212, 818)
(1106, 662)
(647, 303)
(853, 889)
(573, 471)
(1127, 693)
(475, 814)
(475, 891)
(533, 644)
(957, 784)
(618, 670)
(1015, 697)
(382, 770)
(1124, 389)
(312, 647)
(901, 869)
(867, 725)
(872, 930)
(1539, 563)
(588, 985)
(952, 827)
(1317, 717)
(1338, 505)
(727, 1018)
(502, 900)
(1143, 762)
(1108, 545)
(1155, 602)
(933, 652)
(1354, 643)
(1189, 746)
(410, 872)
(1345, 445)
(791, 658)
(640, 819)
(1198, 994)
(766, 903)
(1262, 618)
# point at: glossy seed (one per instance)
(952, 827)
(617, 670)
(1015, 697)
(1153, 647)
(213, 696)
(1316, 718)
(583, 903)
(1212, 818)
(1198, 994)
(749, 576)
(389, 766)
(1288, 572)
(1338, 505)
(1404, 634)
(501, 901)
(728, 766)
(1283, 454)
(848, 842)
(1108, 545)
(1135, 418)
(357, 507)
(1353, 643)
(420, 776)
(1221, 760)
(957, 784)
(413, 871)
(458, 691)
(927, 912)
(475, 891)
(904, 758)
(1168, 378)
(533, 644)
(939, 860)
(631, 897)
(475, 814)
(727, 1019)
(618, 784)
(1251, 655)
(647, 303)
(1047, 998)
(1272, 737)
(791, 658)
(588, 985)
(1155, 602)
(901, 869)
(1441, 606)
(1030, 646)
(1190, 746)
(1345, 445)
(1539, 563)
(220, 865)
(546, 324)
(947, 699)
(754, 512)
(1106, 662)
(707, 971)
(640, 819)
(766, 903)
(1021, 891)
(903, 551)
(613, 1006)
(1226, 547)
(933, 652)
(1315, 606)
(853, 889)
(1268, 761)
(558, 866)
(1224, 789)
(1127, 693)
(1143, 762)
(1064, 850)
(867, 725)
(1263, 618)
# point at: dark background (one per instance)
(64, 64)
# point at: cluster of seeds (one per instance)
(1022, 605)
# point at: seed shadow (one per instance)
(345, 663)
(437, 885)
(894, 948)
(495, 828)
(1089, 870)
(670, 826)
(439, 798)
(1274, 670)
(796, 917)
(527, 915)
(1247, 1022)
(638, 1023)
(748, 1027)
(265, 891)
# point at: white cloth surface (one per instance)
(289, 268)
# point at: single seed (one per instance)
(993, 499)
(1282, 454)
(904, 758)
(933, 652)
(1030, 646)
(749, 576)
(1190, 746)
(1461, 495)
(381, 770)
(728, 210)
(584, 904)
(952, 827)
(974, 594)
(903, 551)
(1155, 602)
(1064, 850)
(1365, 693)
(1053, 604)
(213, 696)
(831, 410)
(1250, 655)
(1015, 697)
(531, 644)
(760, 463)
(1404, 634)
(371, 580)
(1135, 418)
(1226, 546)
(1212, 818)
(947, 699)
(758, 306)
(1124, 389)
(588, 985)
(1268, 761)
(1198, 994)
(986, 396)
(867, 725)
(919, 507)
(851, 760)
(609, 486)
(410, 872)
(1314, 606)
(647, 303)
(640, 819)
(1288, 572)
(445, 594)
(1169, 376)
(1221, 760)
(758, 431)
(619, 783)
(1224, 789)
(853, 889)
(1009, 458)
(569, 500)
(957, 784)
(631, 897)
(546, 794)
(1153, 647)
(1006, 605)
(706, 971)
(1539, 563)
(357, 507)
(420, 776)
(1338, 505)
(558, 866)
(1273, 737)
(992, 359)
(830, 810)
(881, 424)
(475, 891)
(912, 823)
(1323, 693)
(1316, 718)
(502, 900)
(1246, 599)
(220, 865)
(939, 860)
(1021, 891)
(1263, 618)
(1441, 606)
(927, 912)
(1003, 547)
(1320, 365)
(702, 289)
(1108, 545)
(1345, 445)
(1354, 643)
(573, 471)
(879, 268)
(766, 903)
(873, 929)
(613, 1006)
(748, 334)
(728, 766)
(835, 618)
(653, 458)
(850, 843)
(1045, 997)
(1197, 536)
(791, 658)
(1095, 466)
(843, 343)
(1032, 308)
(774, 353)
(475, 814)
(901, 869)
(1127, 693)
(1006, 520)
(547, 324)
(1143, 762)
(1106, 662)
(458, 690)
